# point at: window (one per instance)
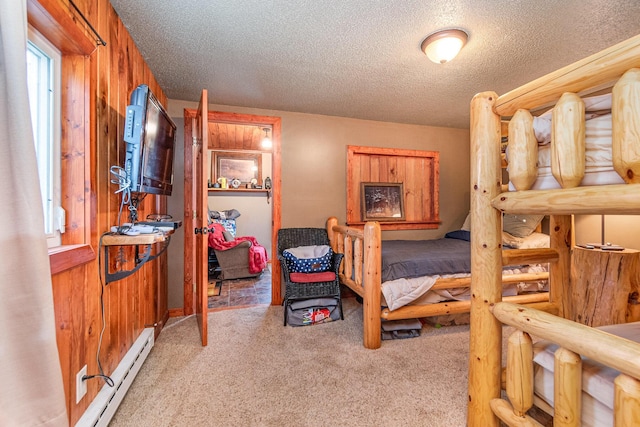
(43, 79)
(57, 23)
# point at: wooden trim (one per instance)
(58, 25)
(176, 312)
(275, 195)
(67, 257)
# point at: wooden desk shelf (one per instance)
(145, 240)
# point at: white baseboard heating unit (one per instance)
(101, 410)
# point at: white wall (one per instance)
(622, 230)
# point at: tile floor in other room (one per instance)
(243, 292)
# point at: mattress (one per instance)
(597, 379)
(415, 258)
(598, 158)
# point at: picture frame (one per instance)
(241, 166)
(382, 201)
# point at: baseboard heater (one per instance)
(101, 410)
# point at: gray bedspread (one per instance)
(415, 258)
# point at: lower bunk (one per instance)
(582, 376)
(362, 272)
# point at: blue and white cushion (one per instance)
(308, 259)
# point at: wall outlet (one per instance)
(81, 385)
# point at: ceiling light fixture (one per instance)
(266, 141)
(442, 46)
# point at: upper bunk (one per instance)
(614, 68)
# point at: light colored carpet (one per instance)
(255, 372)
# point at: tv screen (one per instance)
(149, 134)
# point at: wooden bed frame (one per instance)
(361, 272)
(488, 202)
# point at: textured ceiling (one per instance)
(362, 58)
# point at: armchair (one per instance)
(303, 286)
(238, 257)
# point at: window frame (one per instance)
(48, 162)
(58, 25)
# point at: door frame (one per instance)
(276, 198)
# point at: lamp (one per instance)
(266, 141)
(442, 46)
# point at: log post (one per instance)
(371, 309)
(523, 151)
(568, 140)
(560, 272)
(625, 126)
(567, 389)
(626, 401)
(485, 342)
(520, 372)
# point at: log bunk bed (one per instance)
(542, 316)
(577, 344)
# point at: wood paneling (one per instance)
(235, 136)
(97, 95)
(417, 170)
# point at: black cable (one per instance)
(101, 374)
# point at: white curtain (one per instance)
(31, 388)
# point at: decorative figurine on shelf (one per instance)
(267, 183)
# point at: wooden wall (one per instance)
(417, 170)
(140, 300)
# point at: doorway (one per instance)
(232, 132)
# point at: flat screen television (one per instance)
(149, 134)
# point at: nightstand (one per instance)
(604, 286)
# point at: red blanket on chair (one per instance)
(257, 253)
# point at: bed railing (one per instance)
(574, 340)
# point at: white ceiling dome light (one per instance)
(443, 45)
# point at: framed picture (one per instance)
(242, 166)
(382, 201)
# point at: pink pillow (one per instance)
(325, 276)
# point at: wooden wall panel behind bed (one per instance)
(417, 170)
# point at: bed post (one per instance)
(561, 232)
(331, 222)
(485, 340)
(372, 276)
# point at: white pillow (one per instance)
(467, 223)
(534, 240)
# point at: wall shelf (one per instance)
(238, 190)
(145, 240)
(267, 193)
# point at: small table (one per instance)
(604, 286)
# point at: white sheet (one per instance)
(417, 291)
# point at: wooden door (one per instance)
(200, 192)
